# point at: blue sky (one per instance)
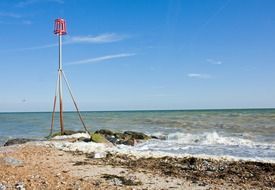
(139, 54)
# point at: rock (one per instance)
(121, 180)
(12, 161)
(67, 132)
(161, 137)
(127, 138)
(129, 142)
(116, 181)
(20, 186)
(119, 135)
(71, 132)
(154, 137)
(112, 139)
(98, 138)
(84, 139)
(100, 155)
(137, 135)
(17, 141)
(2, 187)
(105, 132)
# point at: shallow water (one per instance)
(240, 133)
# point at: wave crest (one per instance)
(210, 138)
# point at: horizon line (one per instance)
(152, 110)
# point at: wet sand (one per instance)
(33, 166)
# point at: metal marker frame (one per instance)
(60, 30)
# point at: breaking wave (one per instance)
(212, 138)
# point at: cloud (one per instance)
(30, 2)
(10, 15)
(102, 38)
(10, 18)
(30, 48)
(199, 76)
(102, 58)
(214, 62)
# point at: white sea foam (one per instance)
(213, 138)
(216, 148)
(77, 135)
(101, 149)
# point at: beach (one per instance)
(203, 149)
(49, 165)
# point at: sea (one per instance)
(247, 134)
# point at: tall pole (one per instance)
(60, 86)
(60, 29)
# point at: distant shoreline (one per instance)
(153, 110)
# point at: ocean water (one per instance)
(245, 134)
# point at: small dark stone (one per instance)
(84, 139)
(154, 137)
(17, 141)
(112, 139)
(80, 163)
(122, 180)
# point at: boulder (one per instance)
(119, 135)
(129, 142)
(137, 135)
(105, 132)
(98, 138)
(127, 138)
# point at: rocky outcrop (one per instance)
(127, 138)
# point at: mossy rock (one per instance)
(98, 138)
(136, 135)
(56, 134)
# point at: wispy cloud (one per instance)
(214, 62)
(199, 76)
(30, 48)
(10, 18)
(24, 3)
(101, 38)
(102, 58)
(10, 15)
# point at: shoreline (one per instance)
(86, 147)
(125, 171)
(150, 110)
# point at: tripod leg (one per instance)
(76, 107)
(54, 105)
(61, 103)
